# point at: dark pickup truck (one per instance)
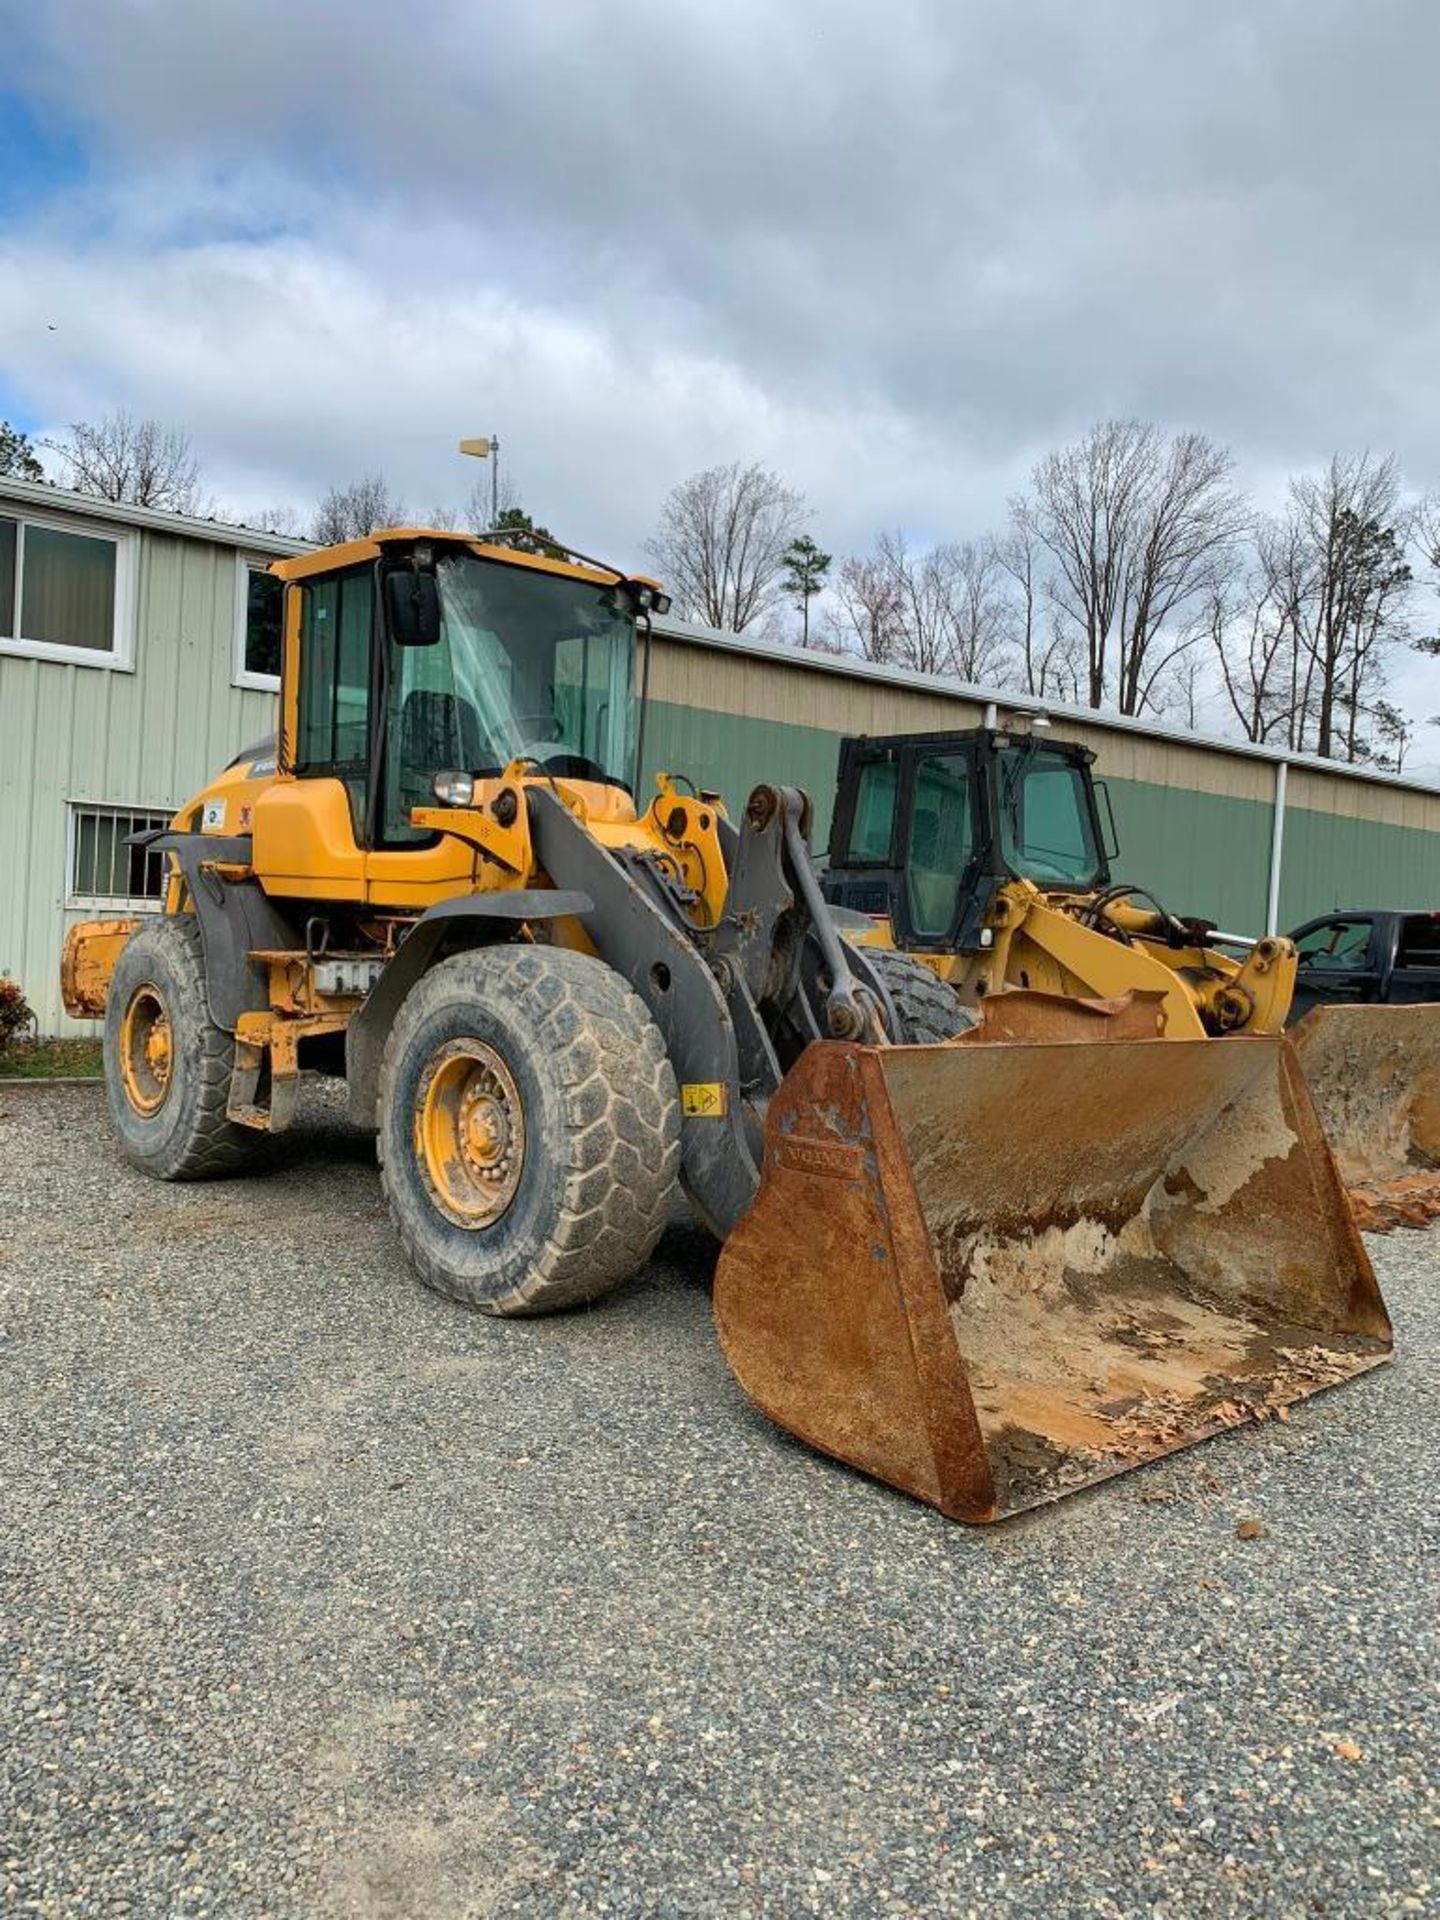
(1367, 956)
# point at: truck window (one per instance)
(1339, 946)
(1419, 941)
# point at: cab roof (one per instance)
(354, 553)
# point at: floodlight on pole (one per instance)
(487, 447)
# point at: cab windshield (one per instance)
(528, 664)
(1047, 832)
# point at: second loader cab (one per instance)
(927, 828)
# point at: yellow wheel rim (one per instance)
(469, 1133)
(147, 1057)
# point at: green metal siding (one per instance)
(1334, 862)
(727, 754)
(150, 738)
(1201, 852)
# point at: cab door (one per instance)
(311, 826)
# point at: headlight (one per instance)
(454, 789)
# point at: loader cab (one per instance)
(927, 828)
(414, 654)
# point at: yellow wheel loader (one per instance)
(984, 1269)
(985, 854)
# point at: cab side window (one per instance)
(942, 840)
(336, 620)
(873, 823)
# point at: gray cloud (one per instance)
(898, 252)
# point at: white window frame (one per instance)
(109, 903)
(240, 674)
(120, 658)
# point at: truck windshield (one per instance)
(1046, 829)
(528, 664)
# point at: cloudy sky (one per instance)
(895, 252)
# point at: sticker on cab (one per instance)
(212, 818)
(703, 1099)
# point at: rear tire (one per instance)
(167, 1065)
(928, 1009)
(529, 1136)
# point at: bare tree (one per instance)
(284, 518)
(1044, 644)
(1137, 531)
(1085, 512)
(1252, 624)
(923, 595)
(1190, 525)
(980, 638)
(1355, 530)
(721, 543)
(937, 609)
(350, 512)
(865, 617)
(1303, 638)
(139, 462)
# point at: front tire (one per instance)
(529, 1135)
(167, 1065)
(928, 1009)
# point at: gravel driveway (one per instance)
(324, 1597)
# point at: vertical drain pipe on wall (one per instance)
(1277, 847)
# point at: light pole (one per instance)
(488, 448)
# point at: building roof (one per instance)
(42, 494)
(1008, 701)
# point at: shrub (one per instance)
(16, 1015)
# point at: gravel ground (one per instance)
(324, 1597)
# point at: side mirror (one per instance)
(1110, 839)
(412, 602)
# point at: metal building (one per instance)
(138, 653)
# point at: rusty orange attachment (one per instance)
(87, 962)
(1374, 1073)
(992, 1273)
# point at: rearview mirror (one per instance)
(1110, 839)
(412, 601)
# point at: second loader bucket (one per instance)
(1374, 1074)
(991, 1273)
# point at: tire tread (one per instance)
(621, 1146)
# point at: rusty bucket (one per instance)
(992, 1272)
(1374, 1074)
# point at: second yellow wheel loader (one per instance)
(985, 853)
(986, 1270)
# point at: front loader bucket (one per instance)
(992, 1273)
(1374, 1074)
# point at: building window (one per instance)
(259, 625)
(64, 592)
(105, 871)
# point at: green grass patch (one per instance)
(51, 1060)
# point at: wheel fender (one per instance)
(468, 920)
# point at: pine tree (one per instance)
(803, 571)
(18, 459)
